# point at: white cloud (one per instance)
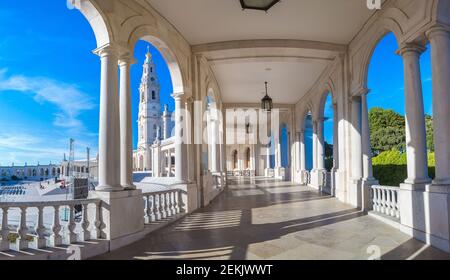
(70, 100)
(21, 147)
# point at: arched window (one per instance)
(235, 159)
(153, 95)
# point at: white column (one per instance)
(314, 145)
(356, 139)
(297, 152)
(180, 145)
(320, 145)
(109, 127)
(440, 62)
(365, 137)
(416, 146)
(302, 151)
(335, 138)
(214, 129)
(169, 162)
(277, 150)
(126, 133)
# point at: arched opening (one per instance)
(234, 156)
(387, 112)
(152, 85)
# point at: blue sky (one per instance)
(385, 82)
(49, 82)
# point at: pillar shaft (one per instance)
(180, 145)
(365, 137)
(416, 147)
(302, 151)
(320, 145)
(335, 138)
(440, 62)
(356, 139)
(314, 146)
(126, 133)
(214, 132)
(109, 126)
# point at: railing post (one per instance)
(158, 208)
(56, 239)
(86, 235)
(180, 202)
(98, 223)
(71, 236)
(175, 202)
(164, 205)
(4, 245)
(147, 219)
(22, 230)
(40, 229)
(153, 209)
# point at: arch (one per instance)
(307, 110)
(386, 26)
(149, 34)
(97, 20)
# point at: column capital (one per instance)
(107, 50)
(178, 96)
(437, 30)
(409, 48)
(126, 60)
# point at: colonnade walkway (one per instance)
(267, 219)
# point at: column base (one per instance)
(366, 193)
(128, 187)
(107, 188)
(122, 213)
(340, 185)
(354, 194)
(425, 213)
(317, 179)
(280, 173)
(269, 172)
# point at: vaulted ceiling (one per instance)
(323, 28)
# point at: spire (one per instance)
(148, 55)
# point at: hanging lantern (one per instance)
(266, 102)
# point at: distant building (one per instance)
(152, 123)
(30, 172)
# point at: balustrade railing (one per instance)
(163, 205)
(38, 225)
(386, 200)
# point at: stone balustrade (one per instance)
(163, 205)
(71, 221)
(386, 200)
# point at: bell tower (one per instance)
(149, 104)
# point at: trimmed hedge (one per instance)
(390, 168)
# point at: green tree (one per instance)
(430, 131)
(387, 130)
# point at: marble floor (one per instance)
(267, 219)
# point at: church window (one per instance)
(151, 69)
(153, 95)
